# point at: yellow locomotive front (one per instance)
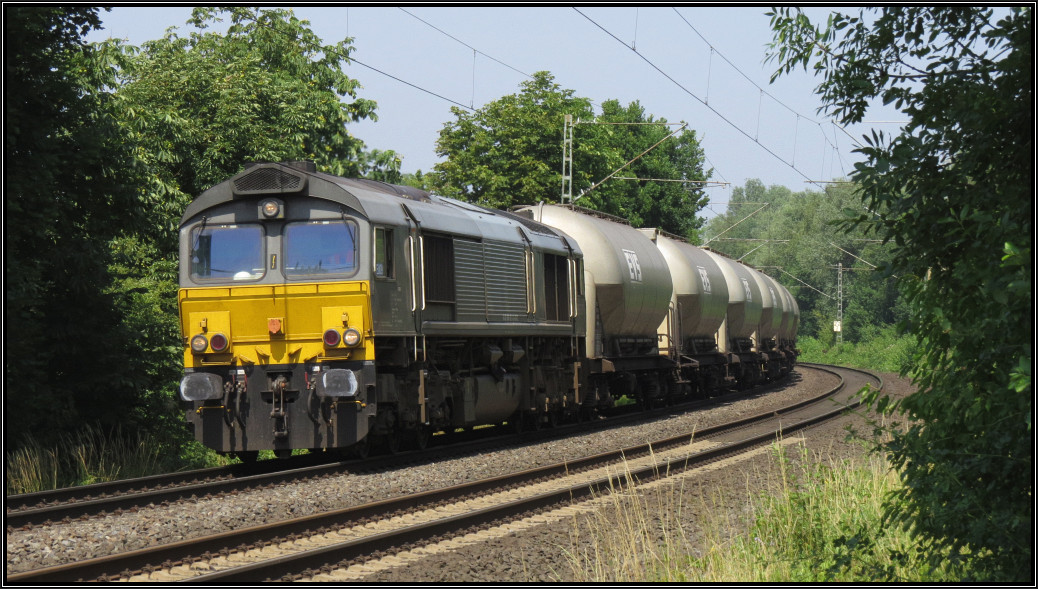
(275, 309)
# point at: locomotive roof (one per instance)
(378, 201)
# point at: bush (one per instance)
(886, 352)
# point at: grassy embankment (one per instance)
(93, 455)
(819, 520)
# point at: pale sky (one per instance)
(713, 56)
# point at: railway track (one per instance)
(63, 505)
(324, 546)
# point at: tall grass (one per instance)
(820, 521)
(635, 537)
(89, 456)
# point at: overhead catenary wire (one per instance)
(415, 86)
(762, 91)
(733, 226)
(490, 57)
(471, 106)
(806, 284)
(692, 94)
(636, 158)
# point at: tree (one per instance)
(656, 200)
(68, 191)
(195, 109)
(199, 107)
(510, 153)
(954, 191)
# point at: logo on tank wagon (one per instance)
(633, 266)
(705, 278)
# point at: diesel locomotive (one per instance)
(330, 313)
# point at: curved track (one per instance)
(320, 547)
(61, 505)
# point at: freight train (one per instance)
(329, 313)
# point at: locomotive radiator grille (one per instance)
(267, 179)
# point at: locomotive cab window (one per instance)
(227, 252)
(320, 248)
(384, 253)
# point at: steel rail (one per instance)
(305, 562)
(188, 550)
(101, 498)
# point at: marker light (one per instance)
(351, 337)
(219, 342)
(331, 338)
(199, 344)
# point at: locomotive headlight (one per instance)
(201, 386)
(218, 342)
(351, 337)
(199, 343)
(338, 382)
(271, 209)
(331, 338)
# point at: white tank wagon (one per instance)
(776, 316)
(699, 305)
(738, 336)
(787, 337)
(628, 291)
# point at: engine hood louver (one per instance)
(267, 180)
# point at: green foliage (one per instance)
(824, 523)
(886, 351)
(67, 193)
(818, 521)
(807, 245)
(954, 192)
(510, 153)
(87, 456)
